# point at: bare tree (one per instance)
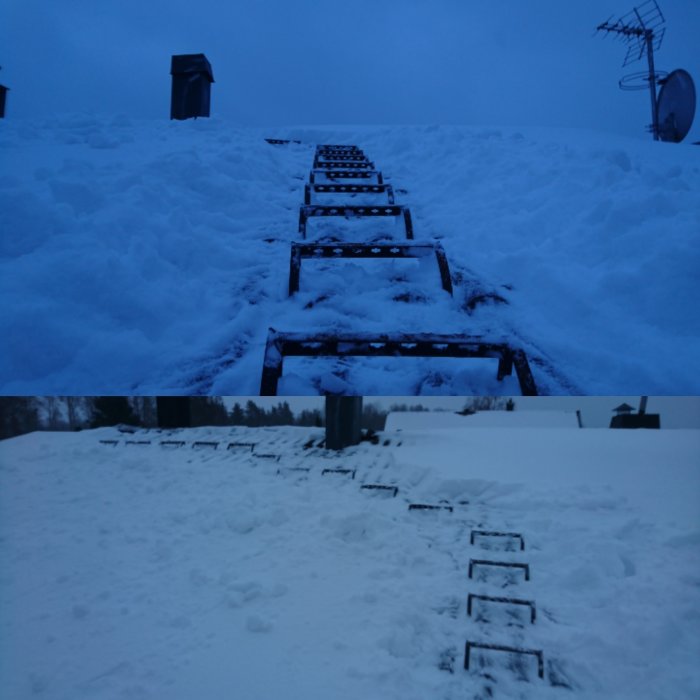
(78, 410)
(373, 417)
(53, 405)
(145, 408)
(18, 415)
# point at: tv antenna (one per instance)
(643, 31)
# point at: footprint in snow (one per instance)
(257, 624)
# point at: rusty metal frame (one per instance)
(500, 647)
(355, 211)
(503, 564)
(336, 147)
(353, 160)
(280, 345)
(489, 533)
(332, 188)
(498, 599)
(341, 174)
(336, 251)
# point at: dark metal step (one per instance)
(280, 344)
(301, 251)
(355, 211)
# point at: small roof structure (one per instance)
(623, 408)
(191, 63)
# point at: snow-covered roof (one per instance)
(420, 420)
(125, 164)
(182, 560)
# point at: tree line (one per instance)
(24, 414)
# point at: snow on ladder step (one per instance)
(500, 647)
(505, 564)
(109, 442)
(498, 599)
(355, 157)
(301, 251)
(173, 443)
(343, 165)
(488, 533)
(336, 147)
(355, 211)
(137, 442)
(333, 188)
(337, 156)
(281, 344)
(342, 174)
(344, 472)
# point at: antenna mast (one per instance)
(643, 31)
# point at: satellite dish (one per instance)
(676, 106)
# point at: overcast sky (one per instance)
(500, 62)
(675, 411)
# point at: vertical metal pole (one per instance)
(343, 416)
(649, 36)
(643, 405)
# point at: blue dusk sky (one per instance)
(275, 62)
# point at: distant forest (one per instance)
(24, 414)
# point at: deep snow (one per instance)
(145, 571)
(152, 257)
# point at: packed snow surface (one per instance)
(147, 571)
(153, 257)
(420, 420)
